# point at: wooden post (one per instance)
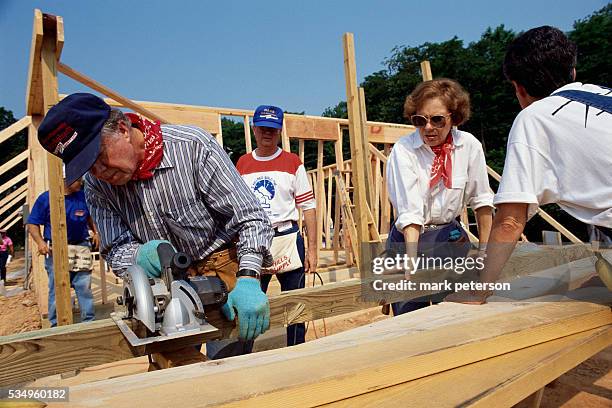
(285, 137)
(385, 203)
(358, 155)
(102, 266)
(59, 234)
(337, 220)
(320, 196)
(219, 136)
(369, 190)
(247, 134)
(426, 71)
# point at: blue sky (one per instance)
(241, 54)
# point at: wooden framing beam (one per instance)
(59, 235)
(32, 355)
(93, 84)
(408, 347)
(15, 128)
(34, 98)
(11, 196)
(356, 133)
(14, 161)
(15, 199)
(14, 181)
(10, 217)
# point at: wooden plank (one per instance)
(15, 221)
(34, 97)
(508, 377)
(103, 289)
(426, 71)
(37, 183)
(208, 121)
(15, 128)
(22, 195)
(13, 181)
(27, 356)
(59, 236)
(93, 84)
(328, 210)
(407, 347)
(357, 154)
(247, 134)
(10, 218)
(12, 195)
(368, 182)
(14, 161)
(309, 128)
(285, 137)
(320, 196)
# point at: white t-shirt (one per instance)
(560, 152)
(408, 176)
(279, 182)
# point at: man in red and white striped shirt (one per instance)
(278, 179)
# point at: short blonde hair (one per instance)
(456, 99)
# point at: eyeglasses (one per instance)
(437, 121)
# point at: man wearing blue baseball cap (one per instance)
(278, 179)
(148, 183)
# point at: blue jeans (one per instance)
(81, 282)
(3, 259)
(436, 243)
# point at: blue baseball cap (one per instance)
(71, 130)
(268, 116)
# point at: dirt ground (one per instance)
(588, 385)
(19, 311)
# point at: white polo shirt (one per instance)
(408, 176)
(561, 153)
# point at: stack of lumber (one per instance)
(446, 355)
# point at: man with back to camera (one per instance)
(563, 126)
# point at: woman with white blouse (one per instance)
(432, 173)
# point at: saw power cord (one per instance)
(316, 274)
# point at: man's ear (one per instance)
(124, 130)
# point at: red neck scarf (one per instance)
(153, 145)
(442, 167)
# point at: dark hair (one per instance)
(541, 59)
(456, 99)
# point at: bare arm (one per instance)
(34, 230)
(484, 219)
(411, 239)
(508, 225)
(311, 259)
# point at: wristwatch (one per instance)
(247, 272)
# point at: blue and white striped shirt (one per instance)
(196, 199)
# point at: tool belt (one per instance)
(223, 263)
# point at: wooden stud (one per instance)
(285, 137)
(15, 128)
(219, 134)
(369, 191)
(12, 182)
(247, 134)
(56, 183)
(103, 289)
(426, 71)
(328, 216)
(320, 196)
(14, 161)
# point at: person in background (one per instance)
(278, 179)
(78, 223)
(6, 254)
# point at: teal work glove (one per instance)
(148, 259)
(252, 306)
